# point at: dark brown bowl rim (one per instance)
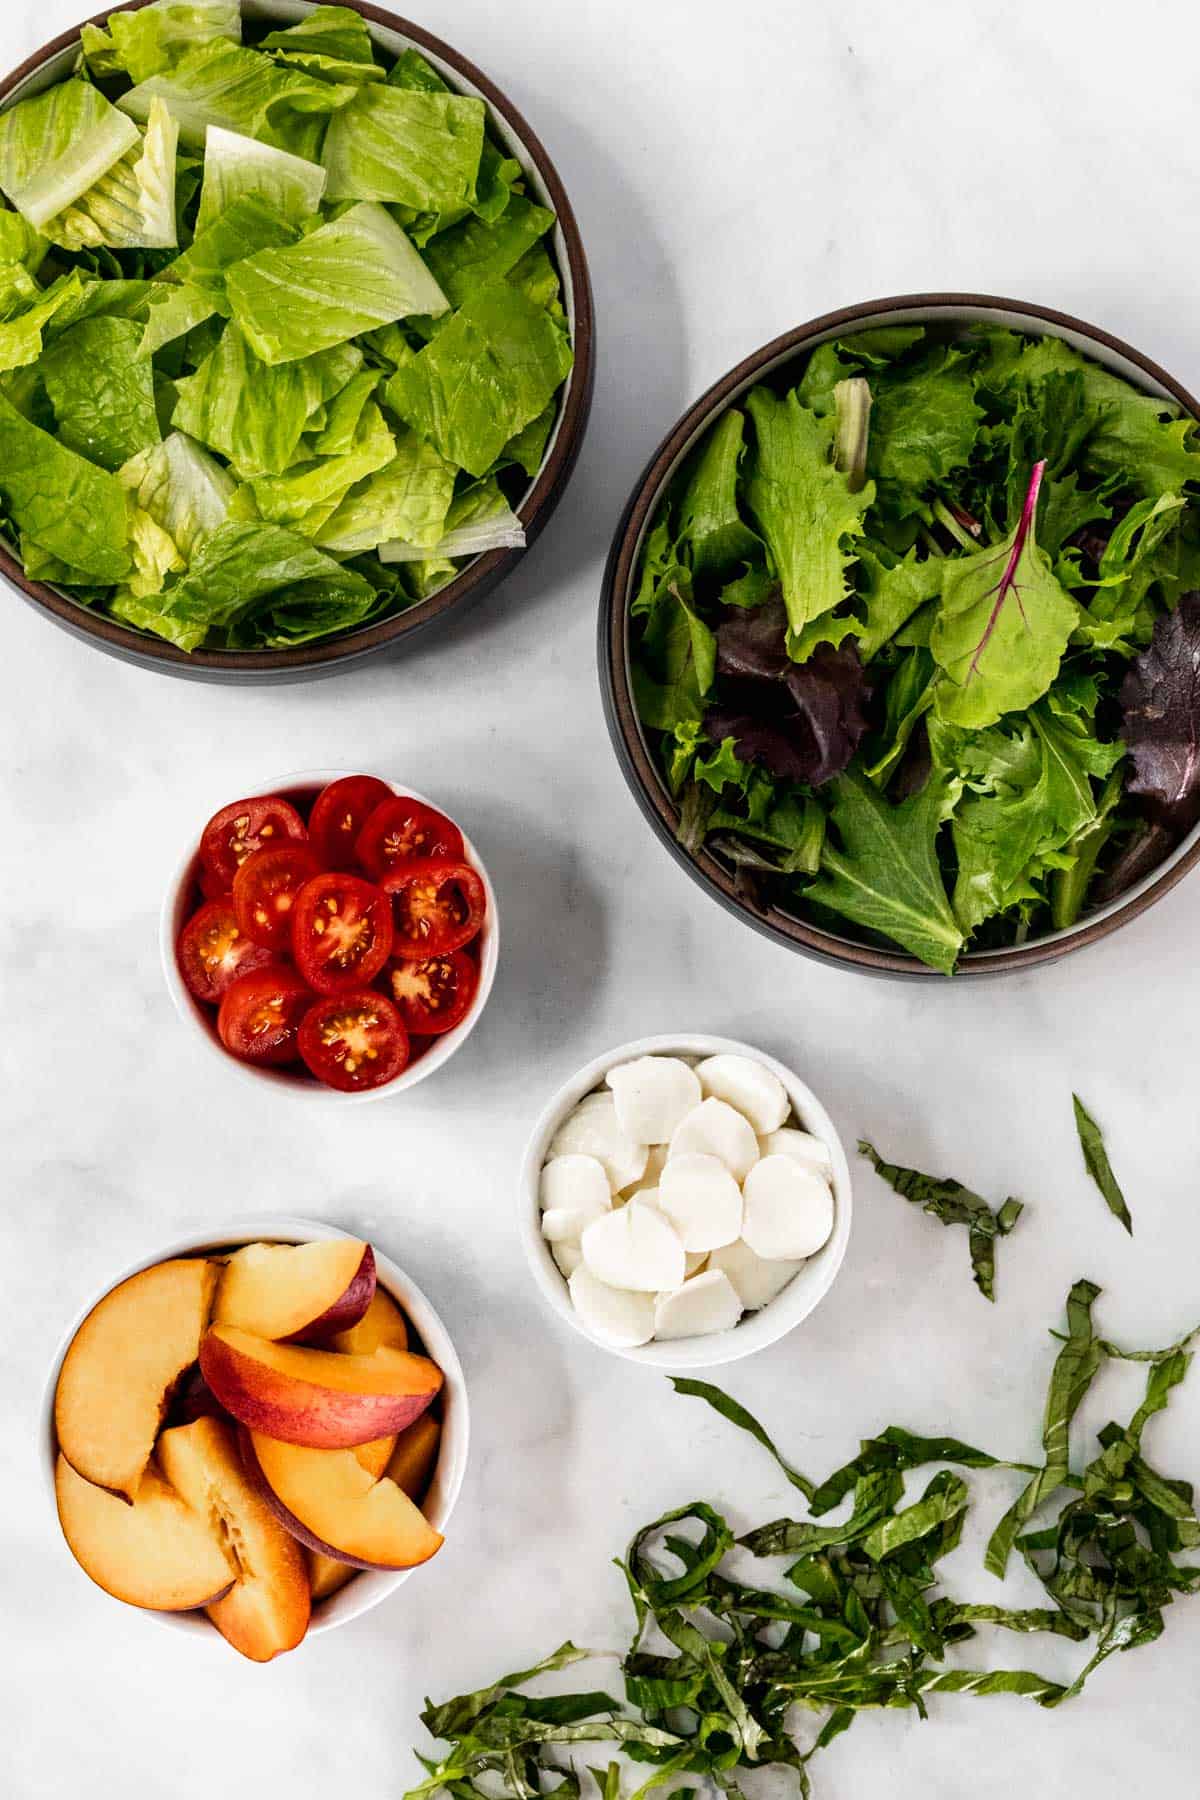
(487, 570)
(624, 728)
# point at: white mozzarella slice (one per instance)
(755, 1279)
(635, 1247)
(563, 1225)
(567, 1256)
(653, 1094)
(715, 1129)
(612, 1315)
(702, 1200)
(748, 1086)
(806, 1148)
(594, 1130)
(706, 1303)
(693, 1260)
(788, 1210)
(575, 1186)
(656, 1158)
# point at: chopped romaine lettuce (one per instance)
(235, 165)
(479, 519)
(253, 413)
(183, 489)
(102, 390)
(410, 497)
(133, 205)
(64, 503)
(417, 149)
(56, 145)
(220, 83)
(139, 44)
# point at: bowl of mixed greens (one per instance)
(900, 638)
(295, 334)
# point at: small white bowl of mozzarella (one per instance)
(684, 1201)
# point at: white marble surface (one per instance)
(734, 171)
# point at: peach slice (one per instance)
(117, 1376)
(293, 1291)
(327, 1500)
(266, 1610)
(316, 1398)
(382, 1326)
(154, 1552)
(412, 1463)
(325, 1574)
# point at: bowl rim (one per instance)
(286, 1081)
(621, 717)
(486, 570)
(456, 1432)
(755, 1331)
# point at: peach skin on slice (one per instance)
(266, 1610)
(316, 1398)
(412, 1462)
(155, 1552)
(117, 1376)
(296, 1291)
(327, 1500)
(382, 1326)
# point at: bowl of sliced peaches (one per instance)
(259, 1432)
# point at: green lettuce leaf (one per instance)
(407, 499)
(475, 252)
(68, 506)
(56, 145)
(802, 503)
(183, 489)
(486, 375)
(479, 519)
(885, 874)
(235, 165)
(139, 44)
(332, 42)
(247, 225)
(924, 423)
(30, 310)
(172, 312)
(342, 415)
(352, 275)
(420, 150)
(132, 206)
(677, 663)
(710, 523)
(307, 495)
(21, 244)
(219, 83)
(252, 412)
(156, 555)
(102, 390)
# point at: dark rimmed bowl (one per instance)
(641, 771)
(392, 35)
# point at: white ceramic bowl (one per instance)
(369, 1586)
(295, 1079)
(755, 1330)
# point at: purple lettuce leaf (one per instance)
(1160, 700)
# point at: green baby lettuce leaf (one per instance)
(803, 505)
(924, 425)
(420, 150)
(102, 390)
(892, 590)
(474, 252)
(678, 658)
(220, 83)
(709, 521)
(254, 413)
(407, 499)
(132, 206)
(950, 1203)
(57, 144)
(235, 165)
(140, 44)
(68, 506)
(1002, 626)
(487, 374)
(1095, 1156)
(885, 875)
(183, 489)
(354, 274)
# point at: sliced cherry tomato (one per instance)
(339, 814)
(435, 994)
(341, 932)
(213, 951)
(265, 889)
(438, 905)
(354, 1040)
(243, 827)
(404, 831)
(261, 1013)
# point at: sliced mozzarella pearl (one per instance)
(593, 1130)
(653, 1095)
(694, 1260)
(715, 1129)
(755, 1280)
(574, 1191)
(706, 1303)
(809, 1150)
(612, 1315)
(789, 1209)
(567, 1256)
(656, 1158)
(635, 1247)
(702, 1201)
(748, 1086)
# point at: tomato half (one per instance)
(261, 1013)
(437, 905)
(339, 813)
(265, 889)
(435, 994)
(243, 827)
(341, 932)
(403, 831)
(213, 951)
(352, 1041)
